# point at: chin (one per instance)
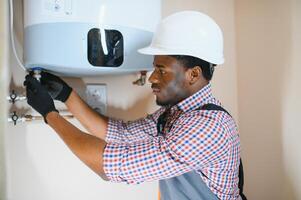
(171, 101)
(163, 103)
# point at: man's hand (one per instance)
(38, 97)
(56, 87)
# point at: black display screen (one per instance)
(106, 51)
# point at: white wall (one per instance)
(3, 89)
(268, 52)
(39, 166)
(291, 108)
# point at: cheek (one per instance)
(178, 85)
(173, 83)
(173, 89)
(166, 79)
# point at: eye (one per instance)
(162, 71)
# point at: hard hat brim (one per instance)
(150, 50)
(153, 51)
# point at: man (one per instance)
(194, 151)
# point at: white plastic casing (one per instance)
(56, 33)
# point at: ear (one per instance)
(194, 74)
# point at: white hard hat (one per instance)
(188, 33)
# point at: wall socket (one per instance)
(96, 96)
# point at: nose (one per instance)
(153, 77)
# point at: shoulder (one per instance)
(198, 116)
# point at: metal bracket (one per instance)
(141, 81)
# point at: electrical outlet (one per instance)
(96, 95)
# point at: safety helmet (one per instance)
(189, 33)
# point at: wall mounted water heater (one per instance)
(89, 37)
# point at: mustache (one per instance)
(155, 86)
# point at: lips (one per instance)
(155, 89)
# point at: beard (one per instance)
(171, 99)
(173, 93)
(163, 103)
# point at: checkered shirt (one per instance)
(202, 140)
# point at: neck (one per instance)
(198, 86)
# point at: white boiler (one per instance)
(89, 37)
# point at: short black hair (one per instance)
(190, 62)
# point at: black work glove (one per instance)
(57, 88)
(38, 97)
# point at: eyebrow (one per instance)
(159, 66)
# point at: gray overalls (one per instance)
(188, 186)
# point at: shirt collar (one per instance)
(198, 99)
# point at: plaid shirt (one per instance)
(201, 140)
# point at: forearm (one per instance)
(87, 148)
(91, 120)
